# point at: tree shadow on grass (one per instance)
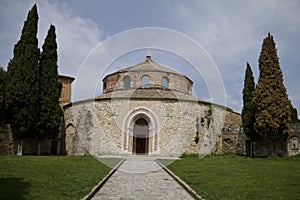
(13, 188)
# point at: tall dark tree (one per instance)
(248, 112)
(272, 106)
(23, 81)
(50, 110)
(2, 96)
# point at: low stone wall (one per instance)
(233, 137)
(262, 146)
(233, 142)
(7, 143)
(294, 140)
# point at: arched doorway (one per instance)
(140, 136)
(140, 133)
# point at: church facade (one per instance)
(149, 109)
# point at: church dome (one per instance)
(147, 74)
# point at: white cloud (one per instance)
(76, 36)
(232, 32)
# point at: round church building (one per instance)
(144, 109)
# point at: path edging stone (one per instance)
(181, 182)
(103, 181)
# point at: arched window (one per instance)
(164, 82)
(146, 81)
(126, 82)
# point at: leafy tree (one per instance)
(248, 112)
(272, 106)
(50, 110)
(2, 96)
(23, 78)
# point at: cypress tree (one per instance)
(272, 106)
(50, 110)
(248, 112)
(2, 96)
(23, 86)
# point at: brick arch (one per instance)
(128, 128)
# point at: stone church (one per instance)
(149, 109)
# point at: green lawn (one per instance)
(49, 177)
(235, 177)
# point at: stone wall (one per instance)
(7, 143)
(294, 140)
(30, 147)
(233, 137)
(262, 146)
(100, 125)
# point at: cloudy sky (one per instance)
(231, 32)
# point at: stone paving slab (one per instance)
(140, 177)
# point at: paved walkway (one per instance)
(140, 177)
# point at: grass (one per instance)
(49, 177)
(235, 177)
